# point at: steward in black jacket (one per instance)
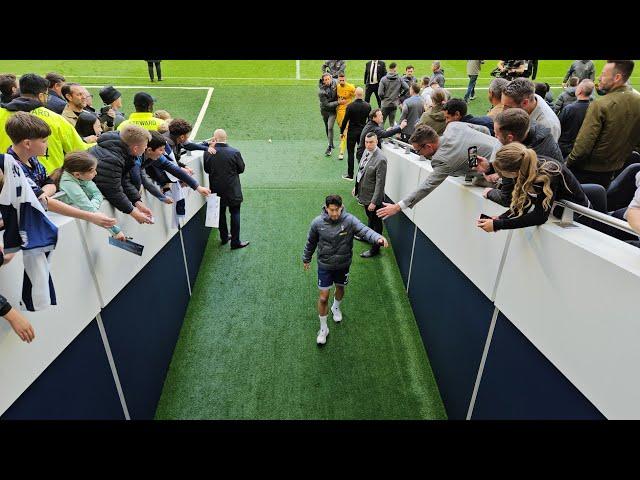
(114, 164)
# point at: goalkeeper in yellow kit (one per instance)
(346, 94)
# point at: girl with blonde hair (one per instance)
(538, 183)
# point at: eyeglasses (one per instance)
(419, 150)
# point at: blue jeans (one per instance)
(471, 89)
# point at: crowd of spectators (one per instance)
(59, 154)
(531, 148)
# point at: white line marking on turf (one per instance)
(144, 87)
(201, 115)
(297, 69)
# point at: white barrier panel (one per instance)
(573, 293)
(448, 217)
(55, 327)
(194, 200)
(403, 174)
(78, 298)
(114, 267)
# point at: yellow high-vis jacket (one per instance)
(63, 139)
(144, 119)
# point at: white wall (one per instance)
(570, 291)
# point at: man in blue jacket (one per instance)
(332, 233)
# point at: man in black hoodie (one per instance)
(510, 126)
(116, 153)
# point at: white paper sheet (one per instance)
(213, 211)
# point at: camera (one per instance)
(105, 109)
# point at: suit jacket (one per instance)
(224, 168)
(370, 188)
(382, 71)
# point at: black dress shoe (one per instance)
(224, 242)
(240, 245)
(368, 254)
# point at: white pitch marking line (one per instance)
(201, 115)
(144, 87)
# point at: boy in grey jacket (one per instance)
(332, 233)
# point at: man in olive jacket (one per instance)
(611, 128)
(224, 168)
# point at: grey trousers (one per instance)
(329, 119)
(389, 112)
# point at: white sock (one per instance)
(323, 323)
(336, 303)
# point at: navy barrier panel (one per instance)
(78, 385)
(454, 318)
(401, 230)
(143, 323)
(195, 236)
(518, 382)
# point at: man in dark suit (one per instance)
(369, 187)
(355, 119)
(373, 73)
(224, 168)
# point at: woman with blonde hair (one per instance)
(538, 183)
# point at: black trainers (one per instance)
(369, 254)
(329, 151)
(347, 177)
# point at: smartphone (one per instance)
(483, 216)
(472, 152)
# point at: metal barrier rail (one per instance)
(570, 207)
(397, 143)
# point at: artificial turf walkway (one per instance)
(247, 347)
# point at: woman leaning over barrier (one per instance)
(538, 183)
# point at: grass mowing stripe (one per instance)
(247, 349)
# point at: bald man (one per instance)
(355, 118)
(224, 168)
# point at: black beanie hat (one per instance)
(109, 95)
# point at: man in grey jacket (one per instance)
(412, 110)
(332, 233)
(369, 188)
(328, 95)
(520, 93)
(581, 69)
(567, 97)
(334, 67)
(473, 70)
(391, 88)
(449, 157)
(438, 74)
